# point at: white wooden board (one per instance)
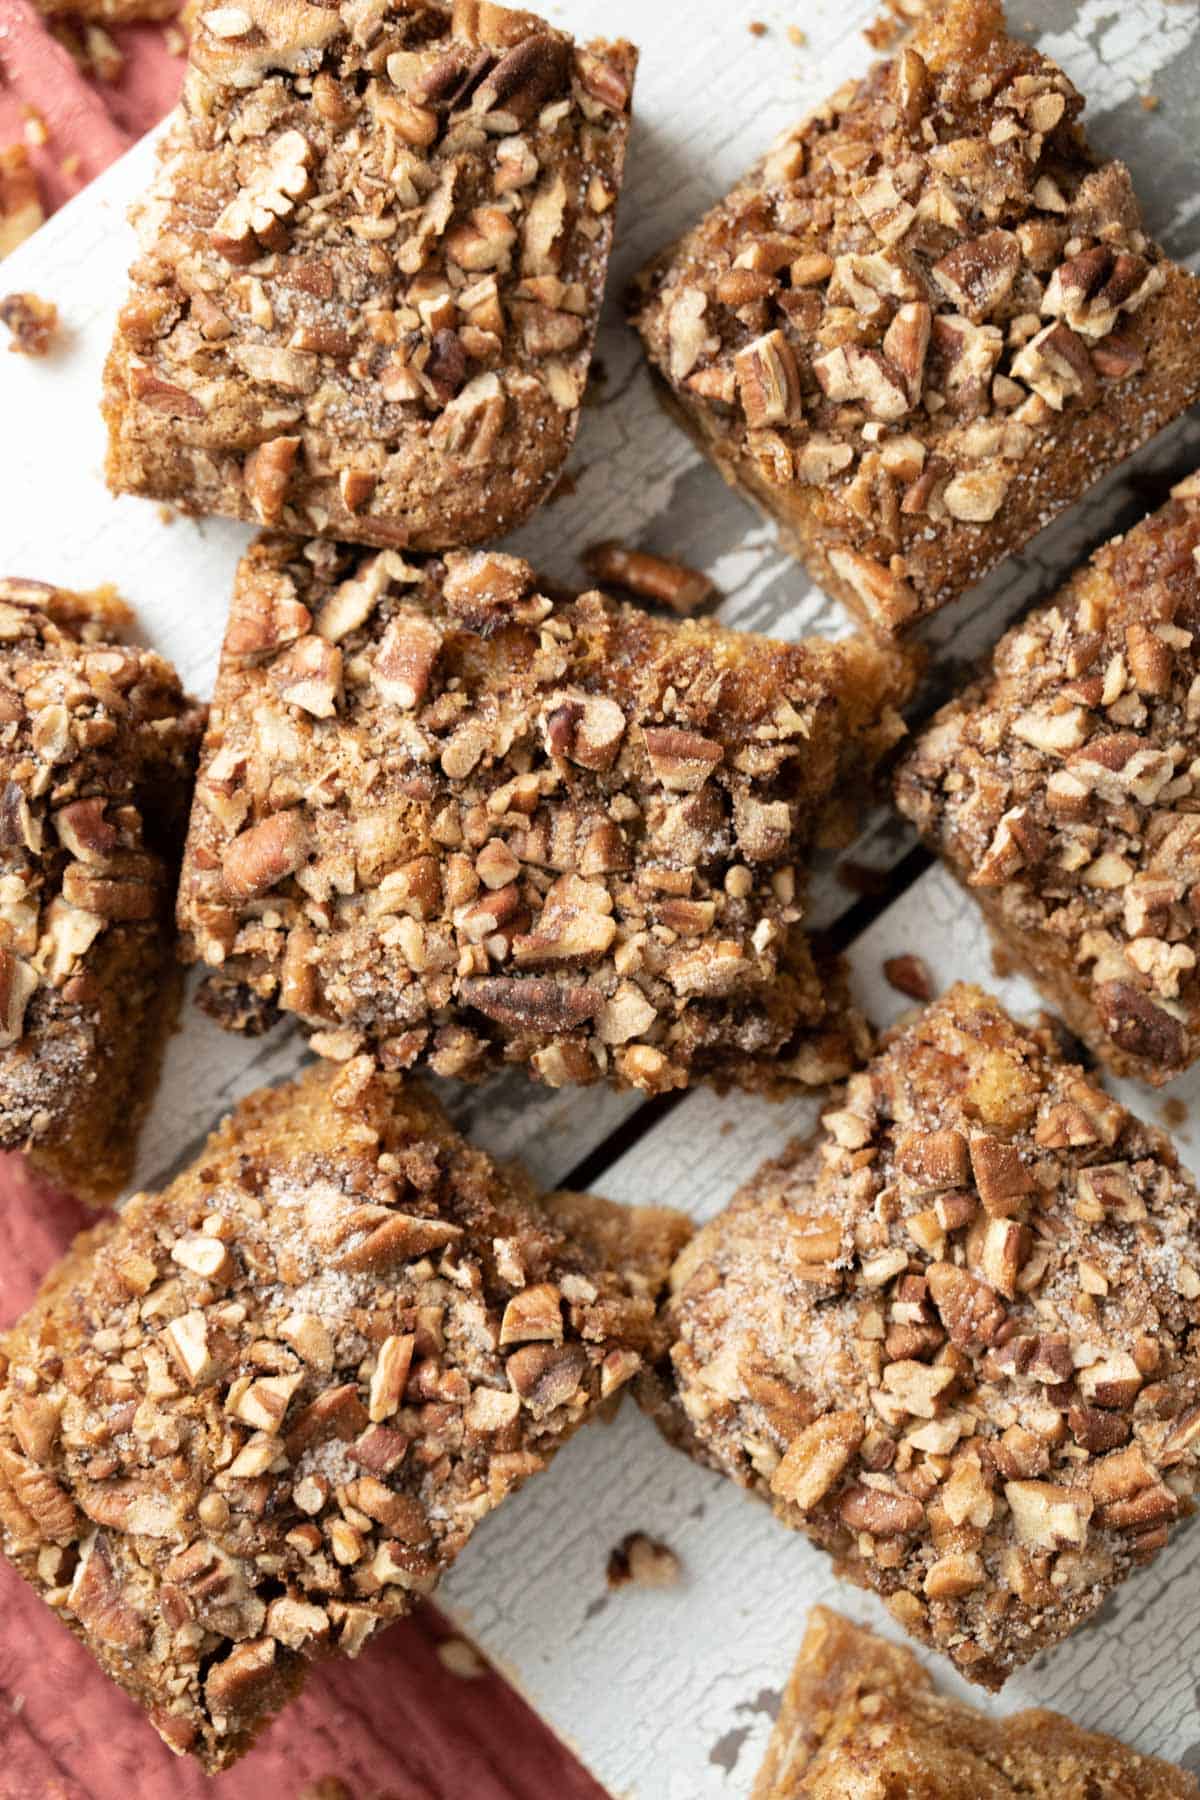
(666, 1696)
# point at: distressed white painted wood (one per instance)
(666, 1696)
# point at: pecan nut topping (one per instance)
(371, 269)
(269, 1405)
(925, 321)
(952, 1339)
(447, 820)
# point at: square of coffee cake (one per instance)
(371, 268)
(1063, 789)
(98, 747)
(926, 322)
(861, 1716)
(953, 1339)
(446, 819)
(251, 1420)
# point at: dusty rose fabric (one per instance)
(87, 124)
(396, 1725)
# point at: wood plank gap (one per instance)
(849, 926)
(590, 1170)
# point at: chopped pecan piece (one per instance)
(405, 659)
(309, 675)
(909, 975)
(100, 1604)
(538, 1002)
(267, 473)
(546, 1378)
(879, 1513)
(256, 219)
(659, 578)
(266, 854)
(682, 760)
(978, 274)
(971, 1311)
(585, 728)
(815, 1460)
(769, 381)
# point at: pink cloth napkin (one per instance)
(397, 1724)
(87, 124)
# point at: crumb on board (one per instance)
(461, 1659)
(899, 17)
(1174, 1112)
(644, 1562)
(659, 578)
(32, 321)
(909, 975)
(757, 28)
(166, 515)
(797, 37)
(1150, 102)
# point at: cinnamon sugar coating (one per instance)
(371, 268)
(1061, 787)
(926, 322)
(861, 1716)
(953, 1338)
(251, 1420)
(97, 755)
(445, 819)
